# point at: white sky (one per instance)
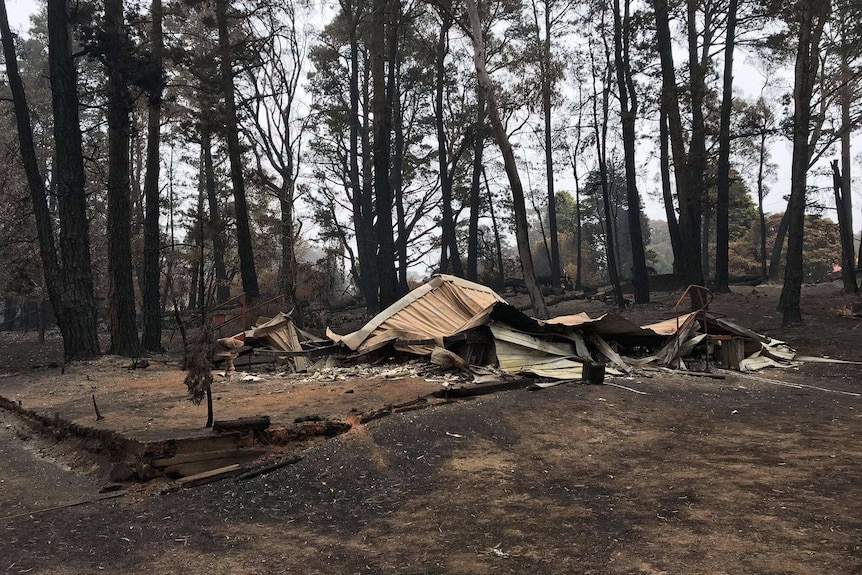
(747, 83)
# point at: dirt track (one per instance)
(697, 476)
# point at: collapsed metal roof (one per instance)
(452, 314)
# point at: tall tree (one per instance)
(121, 295)
(847, 15)
(449, 255)
(689, 164)
(243, 228)
(628, 99)
(722, 225)
(382, 123)
(69, 277)
(277, 131)
(547, 76)
(667, 194)
(502, 138)
(811, 17)
(151, 337)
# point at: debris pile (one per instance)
(468, 328)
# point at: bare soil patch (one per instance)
(739, 475)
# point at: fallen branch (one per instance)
(626, 388)
(66, 505)
(267, 468)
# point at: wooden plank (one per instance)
(196, 467)
(211, 443)
(733, 352)
(204, 456)
(257, 423)
(208, 476)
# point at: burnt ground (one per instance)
(693, 475)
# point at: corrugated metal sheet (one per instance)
(519, 352)
(515, 358)
(434, 310)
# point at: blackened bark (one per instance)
(778, 246)
(705, 230)
(121, 295)
(848, 265)
(628, 115)
(151, 337)
(600, 128)
(519, 207)
(396, 147)
(722, 214)
(363, 217)
(812, 18)
(579, 251)
(288, 252)
(215, 224)
(243, 229)
(35, 183)
(475, 187)
(76, 312)
(667, 196)
(761, 214)
(554, 260)
(498, 246)
(688, 166)
(388, 278)
(397, 176)
(448, 241)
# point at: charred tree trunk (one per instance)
(449, 255)
(78, 309)
(121, 295)
(388, 279)
(688, 166)
(778, 247)
(722, 223)
(761, 214)
(705, 231)
(498, 246)
(151, 337)
(475, 187)
(288, 250)
(628, 114)
(243, 229)
(362, 207)
(848, 265)
(398, 166)
(554, 260)
(215, 225)
(519, 207)
(667, 195)
(812, 18)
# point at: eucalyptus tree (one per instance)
(808, 19)
(722, 275)
(248, 271)
(277, 126)
(549, 20)
(500, 135)
(628, 99)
